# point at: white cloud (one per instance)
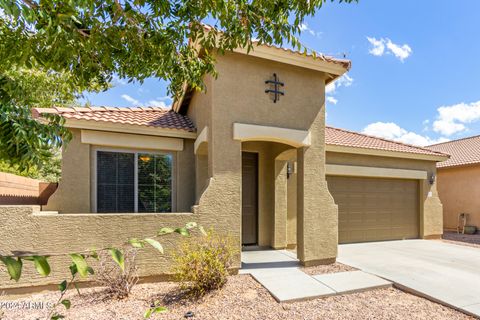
(331, 100)
(331, 88)
(401, 52)
(378, 46)
(343, 81)
(133, 101)
(452, 119)
(162, 102)
(305, 27)
(392, 131)
(158, 103)
(117, 81)
(384, 45)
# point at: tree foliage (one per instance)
(89, 41)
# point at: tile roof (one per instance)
(341, 137)
(162, 118)
(140, 116)
(320, 56)
(463, 151)
(347, 64)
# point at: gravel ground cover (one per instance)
(329, 268)
(472, 240)
(242, 298)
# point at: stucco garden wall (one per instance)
(431, 218)
(459, 190)
(28, 229)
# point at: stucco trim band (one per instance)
(385, 153)
(129, 128)
(251, 132)
(123, 140)
(374, 172)
(201, 139)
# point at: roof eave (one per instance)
(129, 128)
(385, 153)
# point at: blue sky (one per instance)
(414, 76)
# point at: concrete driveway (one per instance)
(443, 272)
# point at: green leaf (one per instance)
(80, 264)
(14, 267)
(166, 230)
(73, 269)
(90, 270)
(94, 255)
(118, 257)
(191, 225)
(41, 264)
(183, 231)
(202, 231)
(136, 243)
(57, 316)
(148, 313)
(155, 244)
(66, 303)
(62, 286)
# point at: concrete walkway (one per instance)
(443, 272)
(278, 271)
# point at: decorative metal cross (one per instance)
(276, 85)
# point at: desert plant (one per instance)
(13, 264)
(118, 282)
(202, 264)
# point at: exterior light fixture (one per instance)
(289, 169)
(431, 179)
(145, 158)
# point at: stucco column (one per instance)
(280, 216)
(221, 202)
(431, 217)
(317, 214)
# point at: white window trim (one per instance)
(93, 175)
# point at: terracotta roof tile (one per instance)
(341, 137)
(162, 118)
(462, 152)
(320, 56)
(145, 116)
(347, 64)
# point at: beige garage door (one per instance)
(371, 209)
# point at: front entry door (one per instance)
(249, 198)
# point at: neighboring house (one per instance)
(251, 162)
(459, 181)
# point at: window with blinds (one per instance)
(134, 182)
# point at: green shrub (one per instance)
(202, 264)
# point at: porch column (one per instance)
(280, 216)
(317, 213)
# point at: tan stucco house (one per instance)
(251, 156)
(459, 181)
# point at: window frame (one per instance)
(136, 152)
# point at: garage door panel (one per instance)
(375, 209)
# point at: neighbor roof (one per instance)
(463, 152)
(139, 116)
(341, 137)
